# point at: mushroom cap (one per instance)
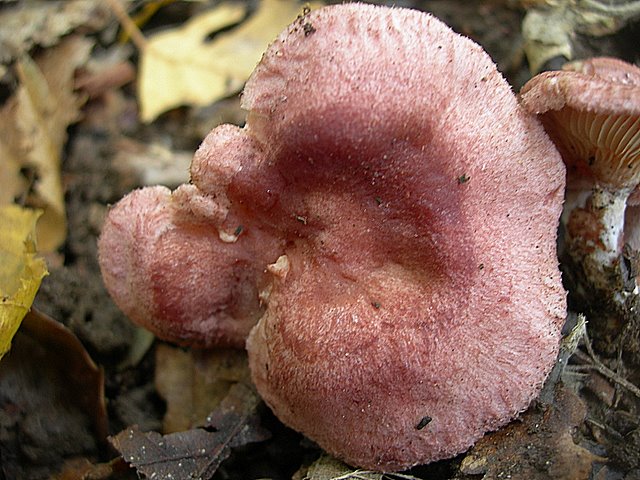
(418, 303)
(591, 109)
(399, 213)
(169, 272)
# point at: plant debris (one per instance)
(195, 453)
(329, 468)
(549, 28)
(194, 382)
(181, 67)
(51, 401)
(21, 271)
(538, 446)
(33, 132)
(68, 83)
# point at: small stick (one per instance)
(603, 369)
(130, 27)
(625, 10)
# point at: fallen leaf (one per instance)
(83, 379)
(83, 469)
(141, 342)
(180, 67)
(537, 446)
(152, 163)
(21, 271)
(52, 403)
(547, 34)
(33, 130)
(549, 27)
(195, 453)
(577, 325)
(13, 183)
(95, 82)
(29, 24)
(193, 382)
(330, 468)
(324, 468)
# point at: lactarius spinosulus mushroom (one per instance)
(591, 109)
(389, 213)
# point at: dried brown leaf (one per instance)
(195, 453)
(29, 24)
(33, 130)
(84, 380)
(539, 446)
(84, 469)
(52, 399)
(193, 383)
(330, 468)
(13, 183)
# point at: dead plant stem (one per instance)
(130, 27)
(603, 369)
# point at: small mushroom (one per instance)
(591, 110)
(179, 265)
(399, 213)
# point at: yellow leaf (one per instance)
(33, 131)
(179, 67)
(21, 271)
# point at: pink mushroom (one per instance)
(179, 264)
(591, 109)
(389, 214)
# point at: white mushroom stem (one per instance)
(609, 208)
(632, 227)
(595, 231)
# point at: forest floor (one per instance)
(67, 394)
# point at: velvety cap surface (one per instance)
(421, 303)
(389, 214)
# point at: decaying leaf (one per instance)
(52, 403)
(21, 271)
(13, 183)
(195, 453)
(330, 468)
(577, 324)
(549, 28)
(104, 76)
(194, 382)
(152, 164)
(83, 469)
(29, 24)
(141, 342)
(547, 34)
(33, 129)
(539, 446)
(180, 67)
(83, 380)
(324, 468)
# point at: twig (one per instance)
(604, 427)
(603, 369)
(368, 475)
(356, 474)
(626, 10)
(130, 27)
